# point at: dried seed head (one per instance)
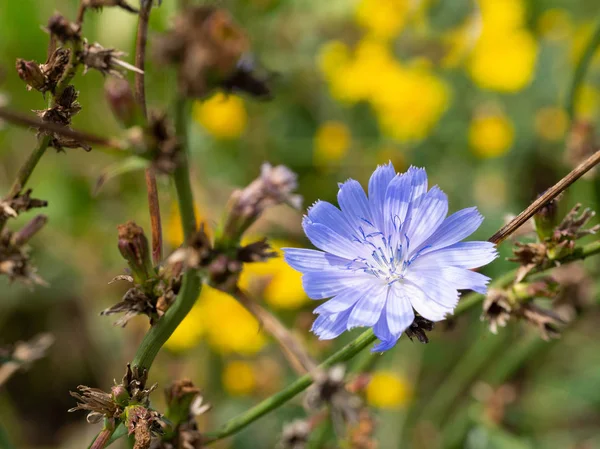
(497, 309)
(105, 60)
(55, 66)
(418, 329)
(31, 73)
(134, 302)
(22, 202)
(206, 45)
(63, 29)
(295, 435)
(97, 403)
(274, 186)
(134, 381)
(259, 251)
(143, 423)
(14, 254)
(164, 149)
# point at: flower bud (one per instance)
(546, 219)
(134, 248)
(22, 236)
(120, 395)
(122, 103)
(180, 396)
(31, 73)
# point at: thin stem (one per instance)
(292, 348)
(548, 195)
(140, 96)
(19, 119)
(241, 421)
(581, 70)
(190, 289)
(102, 439)
(27, 168)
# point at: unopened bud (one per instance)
(546, 219)
(64, 30)
(31, 73)
(180, 396)
(120, 395)
(122, 103)
(22, 236)
(134, 248)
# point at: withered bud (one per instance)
(529, 255)
(68, 101)
(206, 45)
(15, 262)
(31, 73)
(180, 397)
(224, 273)
(99, 4)
(133, 246)
(163, 146)
(143, 424)
(274, 186)
(23, 235)
(418, 329)
(63, 29)
(497, 309)
(120, 98)
(134, 302)
(295, 435)
(97, 403)
(256, 252)
(546, 219)
(22, 202)
(55, 66)
(573, 225)
(134, 381)
(105, 60)
(547, 321)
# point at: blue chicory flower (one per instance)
(388, 254)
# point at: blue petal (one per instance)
(327, 240)
(397, 201)
(418, 185)
(436, 288)
(327, 214)
(354, 204)
(427, 217)
(427, 307)
(325, 284)
(328, 326)
(462, 254)
(381, 331)
(368, 309)
(463, 279)
(399, 312)
(304, 260)
(343, 301)
(378, 185)
(455, 228)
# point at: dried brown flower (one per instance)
(22, 202)
(133, 246)
(418, 329)
(134, 302)
(106, 60)
(143, 423)
(31, 73)
(295, 435)
(63, 29)
(497, 309)
(163, 146)
(206, 45)
(55, 66)
(256, 252)
(97, 403)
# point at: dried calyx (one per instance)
(21, 202)
(14, 252)
(44, 77)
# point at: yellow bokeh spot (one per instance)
(222, 116)
(331, 142)
(551, 123)
(504, 62)
(173, 232)
(587, 102)
(383, 19)
(491, 135)
(554, 24)
(229, 327)
(332, 56)
(189, 332)
(501, 15)
(388, 390)
(238, 378)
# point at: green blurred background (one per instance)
(475, 95)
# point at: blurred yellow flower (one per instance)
(388, 390)
(238, 378)
(229, 327)
(173, 232)
(501, 15)
(504, 62)
(223, 116)
(331, 142)
(332, 56)
(491, 135)
(587, 102)
(551, 123)
(189, 332)
(409, 101)
(383, 19)
(554, 24)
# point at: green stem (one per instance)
(241, 421)
(190, 289)
(5, 442)
(102, 439)
(27, 169)
(581, 70)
